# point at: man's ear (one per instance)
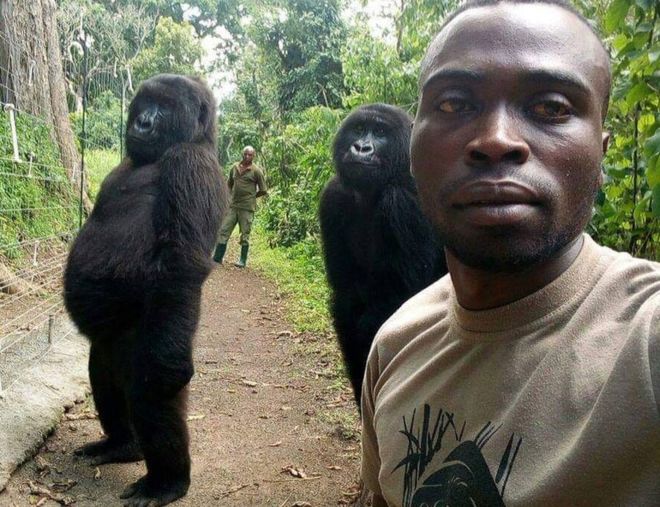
(606, 141)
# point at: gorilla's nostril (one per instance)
(144, 122)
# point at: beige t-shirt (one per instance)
(549, 401)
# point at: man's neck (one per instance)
(480, 290)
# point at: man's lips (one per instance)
(495, 203)
(494, 193)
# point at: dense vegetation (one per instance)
(35, 195)
(297, 67)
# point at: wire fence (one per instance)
(40, 209)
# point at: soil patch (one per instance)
(270, 424)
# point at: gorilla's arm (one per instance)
(191, 199)
(164, 351)
(336, 209)
(412, 257)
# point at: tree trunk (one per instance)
(32, 76)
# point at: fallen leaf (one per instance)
(63, 486)
(81, 416)
(301, 504)
(333, 467)
(196, 417)
(41, 464)
(295, 472)
(275, 444)
(249, 383)
(233, 489)
(41, 490)
(97, 474)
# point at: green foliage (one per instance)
(299, 166)
(175, 50)
(628, 211)
(36, 199)
(374, 72)
(102, 121)
(299, 42)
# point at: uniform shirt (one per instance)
(549, 401)
(244, 187)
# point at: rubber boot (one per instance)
(243, 260)
(219, 252)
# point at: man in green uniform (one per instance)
(246, 183)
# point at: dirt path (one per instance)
(269, 424)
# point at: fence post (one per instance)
(83, 137)
(11, 109)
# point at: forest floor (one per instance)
(270, 421)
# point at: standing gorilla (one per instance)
(379, 248)
(133, 281)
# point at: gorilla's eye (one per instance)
(455, 105)
(359, 129)
(551, 110)
(379, 130)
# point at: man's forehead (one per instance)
(522, 35)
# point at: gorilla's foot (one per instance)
(147, 493)
(109, 451)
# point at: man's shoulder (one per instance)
(636, 278)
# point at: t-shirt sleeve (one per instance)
(654, 356)
(370, 455)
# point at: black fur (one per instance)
(379, 249)
(133, 281)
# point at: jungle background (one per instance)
(286, 72)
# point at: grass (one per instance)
(98, 163)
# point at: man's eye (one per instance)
(455, 106)
(551, 109)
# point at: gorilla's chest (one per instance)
(365, 236)
(120, 230)
(127, 198)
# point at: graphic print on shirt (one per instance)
(463, 478)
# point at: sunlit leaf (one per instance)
(616, 13)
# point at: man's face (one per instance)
(507, 142)
(248, 155)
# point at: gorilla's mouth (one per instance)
(362, 162)
(136, 138)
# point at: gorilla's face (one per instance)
(167, 110)
(372, 145)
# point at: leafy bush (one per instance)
(629, 207)
(300, 165)
(102, 122)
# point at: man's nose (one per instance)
(497, 140)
